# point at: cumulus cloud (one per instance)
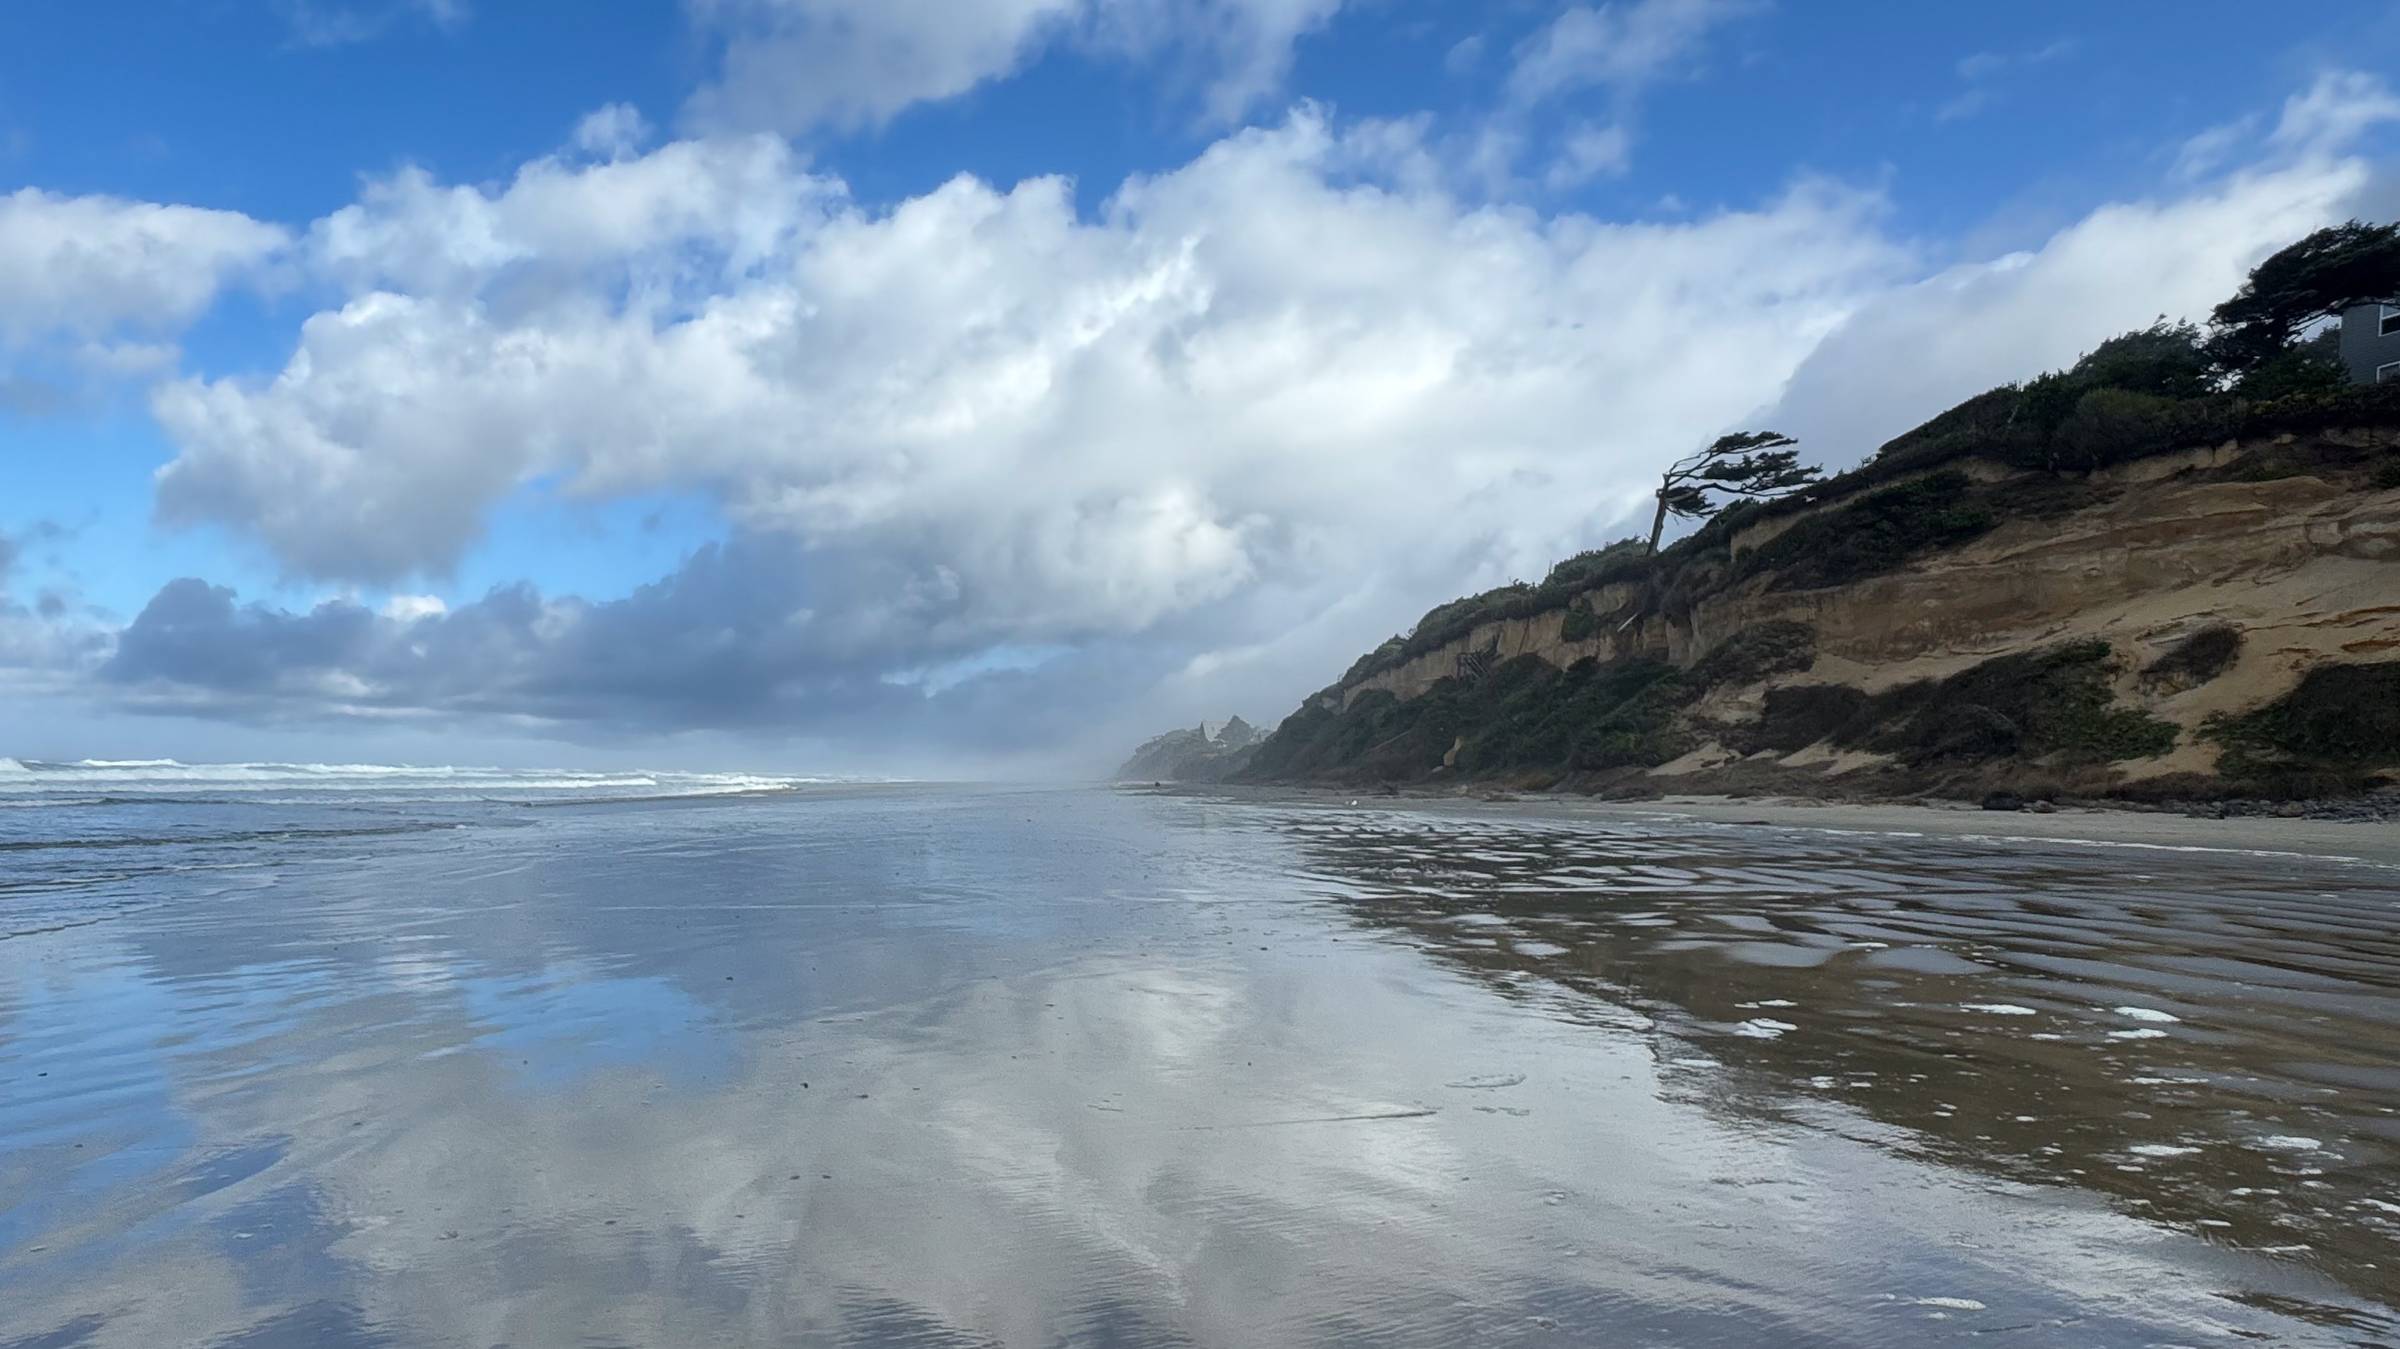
(613, 131)
(1191, 450)
(90, 268)
(1239, 398)
(740, 637)
(723, 205)
(797, 65)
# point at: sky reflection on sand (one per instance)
(938, 1067)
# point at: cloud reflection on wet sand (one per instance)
(1020, 1068)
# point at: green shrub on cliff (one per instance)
(1392, 652)
(2196, 659)
(1624, 560)
(2312, 367)
(2056, 701)
(1592, 715)
(1799, 715)
(1778, 646)
(2112, 426)
(2165, 360)
(1877, 533)
(2339, 716)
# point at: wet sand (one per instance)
(936, 1067)
(2369, 841)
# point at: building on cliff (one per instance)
(2371, 343)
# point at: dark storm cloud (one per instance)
(729, 641)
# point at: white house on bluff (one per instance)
(2371, 343)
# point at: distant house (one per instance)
(2371, 343)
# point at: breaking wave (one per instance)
(117, 778)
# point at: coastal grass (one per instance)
(2056, 702)
(1878, 533)
(1528, 716)
(2196, 659)
(2337, 725)
(1594, 718)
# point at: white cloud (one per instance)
(1619, 50)
(612, 132)
(2208, 151)
(1924, 347)
(2333, 112)
(734, 198)
(1965, 104)
(410, 608)
(793, 65)
(1978, 65)
(335, 23)
(1238, 52)
(1616, 46)
(1250, 415)
(2319, 122)
(1243, 392)
(796, 65)
(1465, 55)
(1590, 152)
(1979, 71)
(43, 646)
(90, 268)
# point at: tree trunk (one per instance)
(1658, 522)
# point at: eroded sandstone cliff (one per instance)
(2148, 628)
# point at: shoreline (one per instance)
(2357, 841)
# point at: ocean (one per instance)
(357, 1055)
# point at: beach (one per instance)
(2260, 836)
(920, 1065)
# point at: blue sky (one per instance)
(1170, 435)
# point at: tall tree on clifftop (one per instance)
(2314, 279)
(1750, 465)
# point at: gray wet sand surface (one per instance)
(940, 1066)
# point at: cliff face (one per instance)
(2175, 606)
(1193, 755)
